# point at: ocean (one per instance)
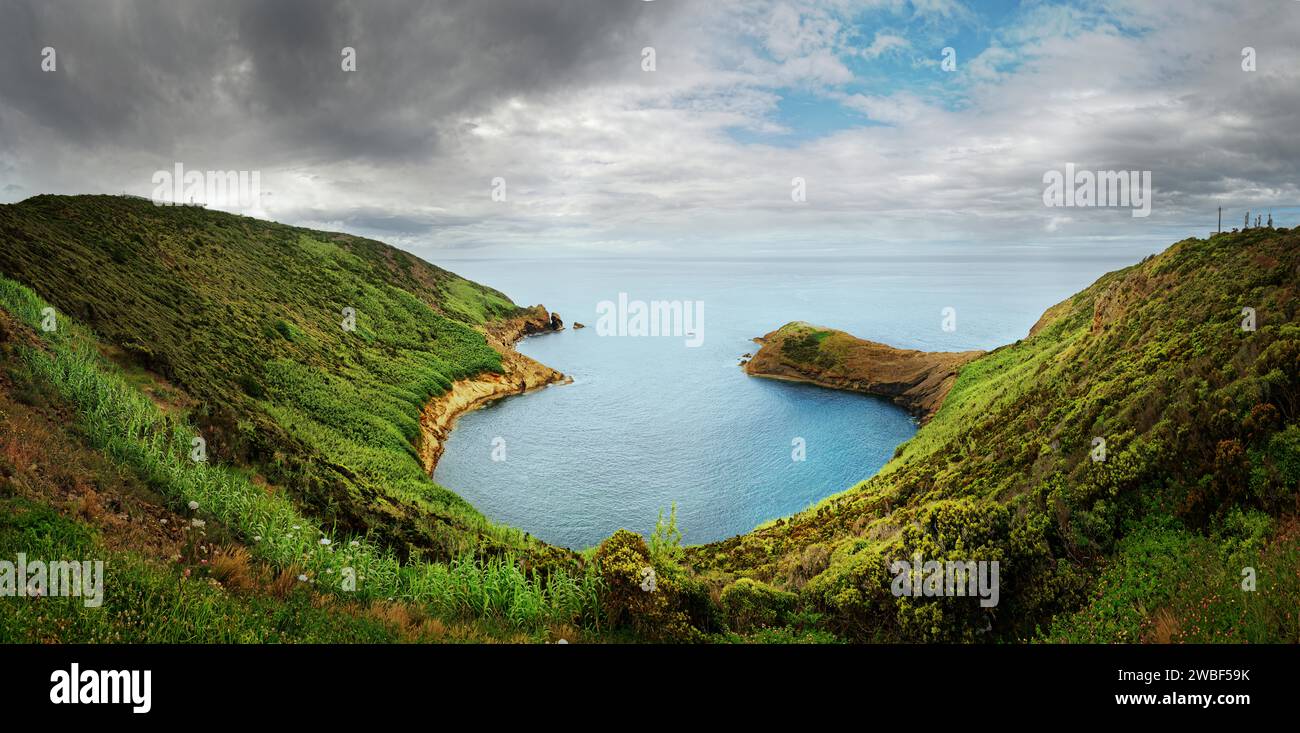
(650, 421)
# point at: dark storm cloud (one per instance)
(159, 74)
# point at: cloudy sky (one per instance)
(600, 155)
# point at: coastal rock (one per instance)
(520, 374)
(530, 321)
(917, 381)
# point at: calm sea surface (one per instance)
(649, 421)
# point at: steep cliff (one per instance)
(519, 374)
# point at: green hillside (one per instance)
(1199, 419)
(88, 469)
(235, 326)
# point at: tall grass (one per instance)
(127, 426)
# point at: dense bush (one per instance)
(750, 605)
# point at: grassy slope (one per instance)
(1203, 451)
(242, 319)
(92, 468)
(167, 581)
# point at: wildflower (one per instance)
(354, 543)
(302, 578)
(197, 523)
(163, 520)
(297, 527)
(329, 571)
(257, 538)
(324, 540)
(194, 506)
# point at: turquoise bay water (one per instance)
(649, 421)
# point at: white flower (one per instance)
(329, 571)
(302, 578)
(324, 540)
(194, 505)
(164, 520)
(354, 543)
(257, 538)
(297, 527)
(197, 523)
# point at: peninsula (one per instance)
(917, 381)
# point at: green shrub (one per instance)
(636, 596)
(666, 542)
(749, 605)
(624, 563)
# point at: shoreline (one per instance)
(825, 385)
(522, 375)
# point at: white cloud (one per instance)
(884, 43)
(895, 109)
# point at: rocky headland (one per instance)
(521, 374)
(917, 381)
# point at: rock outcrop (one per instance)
(522, 374)
(917, 381)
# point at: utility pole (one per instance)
(1220, 220)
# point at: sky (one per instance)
(600, 155)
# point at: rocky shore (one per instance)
(917, 381)
(522, 374)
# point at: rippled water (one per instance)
(649, 421)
